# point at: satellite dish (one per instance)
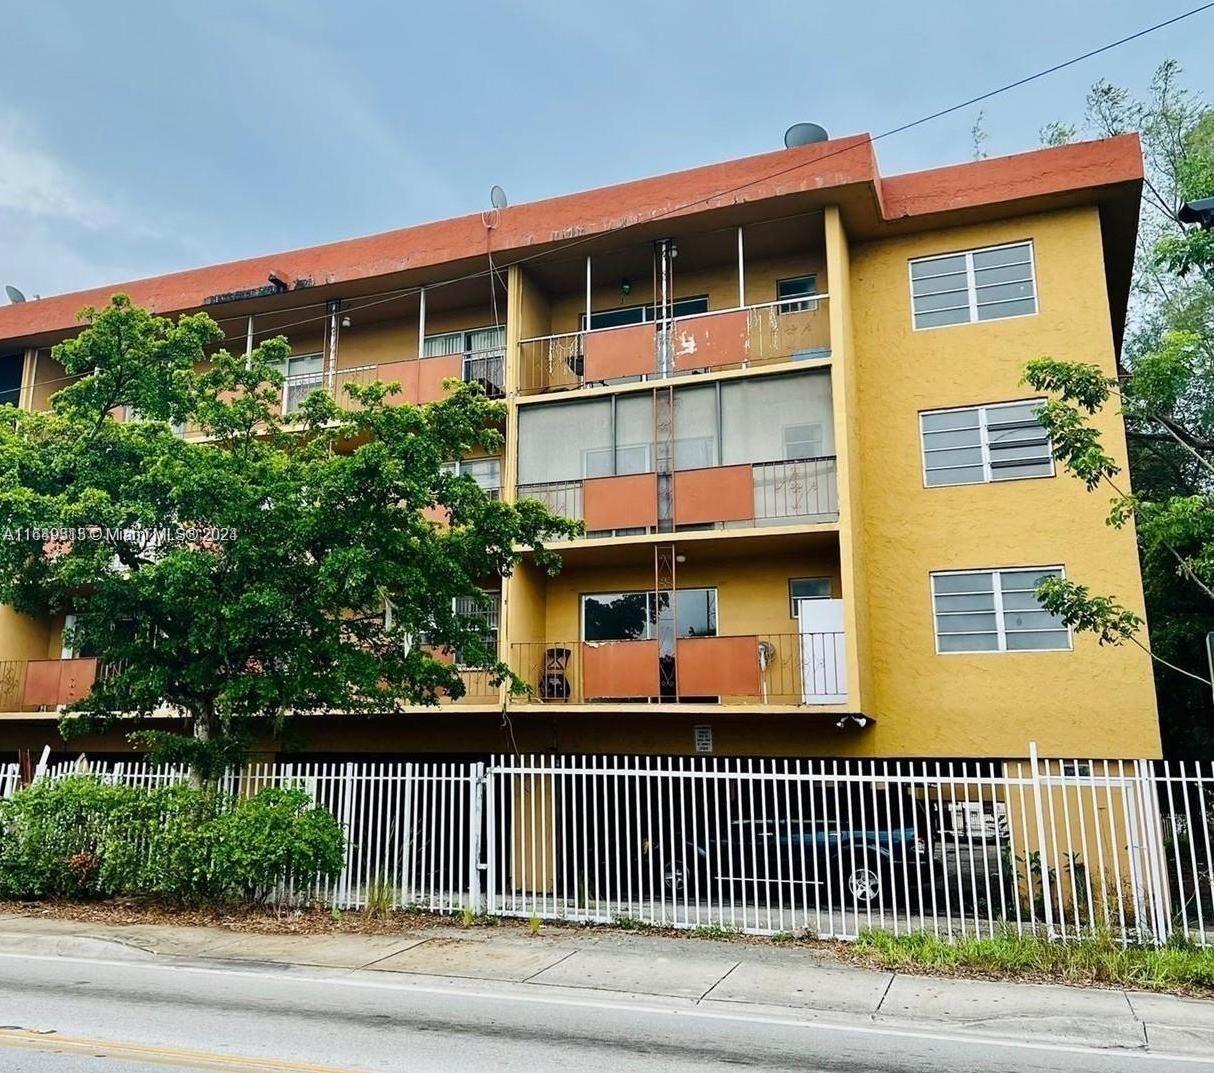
(14, 295)
(804, 134)
(497, 197)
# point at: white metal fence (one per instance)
(822, 847)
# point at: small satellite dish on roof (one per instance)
(804, 134)
(14, 295)
(497, 198)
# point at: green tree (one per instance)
(270, 569)
(1165, 392)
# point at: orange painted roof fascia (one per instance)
(836, 163)
(1056, 170)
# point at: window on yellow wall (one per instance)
(977, 444)
(995, 611)
(806, 588)
(973, 286)
(793, 288)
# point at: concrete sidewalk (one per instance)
(706, 974)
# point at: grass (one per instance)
(1097, 960)
(713, 931)
(381, 897)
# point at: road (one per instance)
(62, 1014)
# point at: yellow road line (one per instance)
(154, 1055)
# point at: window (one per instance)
(480, 614)
(483, 351)
(995, 611)
(964, 288)
(979, 444)
(806, 588)
(739, 422)
(11, 366)
(802, 441)
(643, 314)
(487, 472)
(796, 287)
(302, 375)
(770, 418)
(632, 616)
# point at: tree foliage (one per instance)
(1165, 392)
(274, 566)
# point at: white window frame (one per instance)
(1000, 628)
(971, 290)
(984, 442)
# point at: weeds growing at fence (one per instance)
(381, 898)
(1099, 959)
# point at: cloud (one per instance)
(34, 183)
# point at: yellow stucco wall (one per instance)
(1089, 701)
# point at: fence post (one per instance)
(491, 820)
(349, 771)
(1156, 866)
(1046, 893)
(475, 842)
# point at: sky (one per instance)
(143, 137)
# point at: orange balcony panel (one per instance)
(433, 372)
(718, 494)
(629, 502)
(51, 682)
(619, 669)
(619, 352)
(718, 666)
(707, 342)
(402, 372)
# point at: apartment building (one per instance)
(784, 395)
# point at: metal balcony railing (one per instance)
(801, 669)
(47, 684)
(789, 330)
(784, 491)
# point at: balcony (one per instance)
(785, 669)
(795, 329)
(48, 684)
(755, 494)
(421, 380)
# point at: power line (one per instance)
(683, 206)
(495, 271)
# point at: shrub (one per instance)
(80, 837)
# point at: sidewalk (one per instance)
(725, 976)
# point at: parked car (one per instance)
(844, 845)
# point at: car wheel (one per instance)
(675, 877)
(864, 883)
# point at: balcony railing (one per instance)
(47, 684)
(789, 669)
(758, 493)
(789, 330)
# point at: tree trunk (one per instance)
(204, 731)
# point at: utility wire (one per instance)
(684, 206)
(872, 139)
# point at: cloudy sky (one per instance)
(137, 137)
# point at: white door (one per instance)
(823, 659)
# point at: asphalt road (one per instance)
(65, 1014)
